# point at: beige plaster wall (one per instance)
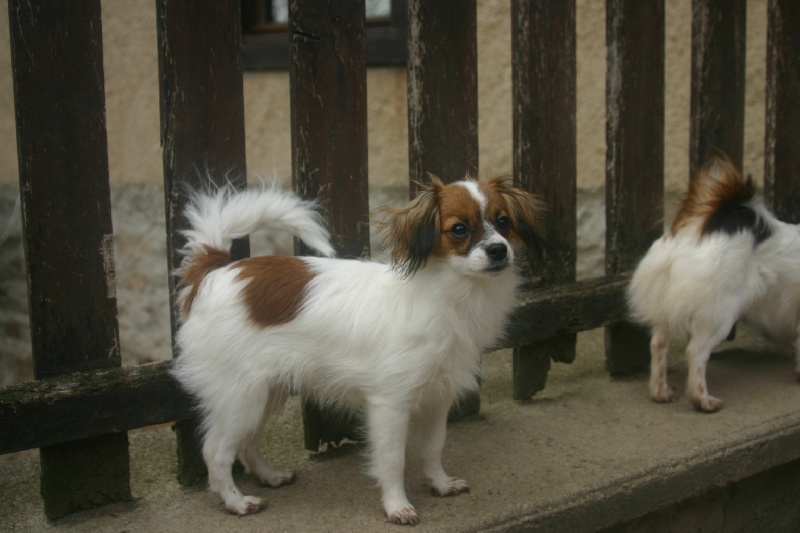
(129, 32)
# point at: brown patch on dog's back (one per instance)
(276, 288)
(195, 269)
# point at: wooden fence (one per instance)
(82, 402)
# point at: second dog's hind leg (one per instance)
(698, 352)
(660, 390)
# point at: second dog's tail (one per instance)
(719, 199)
(216, 219)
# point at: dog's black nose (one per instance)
(496, 251)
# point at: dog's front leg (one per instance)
(387, 427)
(430, 429)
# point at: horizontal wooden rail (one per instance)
(569, 308)
(86, 404)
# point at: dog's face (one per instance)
(474, 225)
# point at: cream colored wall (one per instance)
(131, 65)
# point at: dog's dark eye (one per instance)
(503, 223)
(459, 230)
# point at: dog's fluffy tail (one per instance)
(216, 219)
(719, 201)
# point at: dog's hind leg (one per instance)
(429, 428)
(387, 429)
(698, 352)
(251, 455)
(660, 390)
(232, 419)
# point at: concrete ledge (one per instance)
(587, 453)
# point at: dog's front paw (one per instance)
(246, 505)
(707, 404)
(450, 487)
(404, 515)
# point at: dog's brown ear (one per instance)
(527, 213)
(411, 232)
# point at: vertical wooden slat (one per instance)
(717, 101)
(442, 75)
(442, 90)
(57, 56)
(202, 134)
(329, 144)
(782, 151)
(634, 157)
(543, 73)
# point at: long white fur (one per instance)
(216, 219)
(701, 286)
(401, 350)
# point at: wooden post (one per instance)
(57, 56)
(442, 90)
(329, 145)
(717, 101)
(202, 134)
(543, 72)
(443, 102)
(782, 151)
(634, 156)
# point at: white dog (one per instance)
(399, 344)
(723, 259)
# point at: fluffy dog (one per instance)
(723, 259)
(400, 344)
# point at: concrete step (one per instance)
(588, 453)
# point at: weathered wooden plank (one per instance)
(202, 134)
(782, 151)
(44, 413)
(634, 156)
(442, 78)
(41, 412)
(544, 85)
(442, 90)
(329, 144)
(717, 100)
(57, 57)
(329, 117)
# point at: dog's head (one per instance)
(474, 225)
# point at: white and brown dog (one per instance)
(398, 344)
(723, 259)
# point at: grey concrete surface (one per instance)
(587, 453)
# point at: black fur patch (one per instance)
(732, 218)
